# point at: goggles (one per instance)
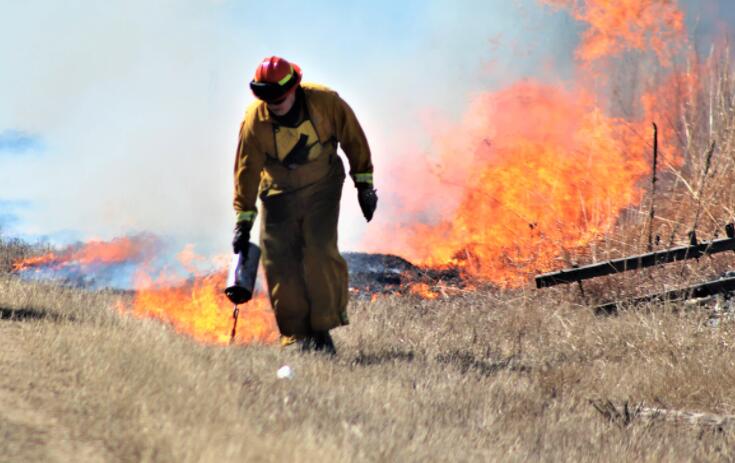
(272, 92)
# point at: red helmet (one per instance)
(274, 79)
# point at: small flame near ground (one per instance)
(424, 291)
(195, 305)
(94, 252)
(200, 309)
(198, 306)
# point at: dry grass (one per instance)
(695, 193)
(477, 378)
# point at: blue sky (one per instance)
(13, 142)
(9, 211)
(131, 108)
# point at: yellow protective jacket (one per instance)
(257, 167)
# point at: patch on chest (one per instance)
(297, 145)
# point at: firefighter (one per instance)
(287, 156)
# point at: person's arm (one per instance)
(249, 161)
(354, 143)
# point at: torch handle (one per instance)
(235, 314)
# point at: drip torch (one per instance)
(241, 280)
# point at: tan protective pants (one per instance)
(307, 276)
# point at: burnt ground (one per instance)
(389, 274)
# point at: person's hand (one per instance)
(241, 238)
(368, 198)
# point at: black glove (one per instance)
(241, 240)
(368, 198)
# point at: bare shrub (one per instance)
(11, 251)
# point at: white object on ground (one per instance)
(285, 372)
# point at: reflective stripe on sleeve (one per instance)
(364, 178)
(246, 216)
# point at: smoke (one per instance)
(709, 21)
(138, 103)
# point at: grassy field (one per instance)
(482, 377)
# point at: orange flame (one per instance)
(619, 25)
(197, 307)
(551, 172)
(200, 309)
(536, 170)
(45, 260)
(119, 250)
(423, 291)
